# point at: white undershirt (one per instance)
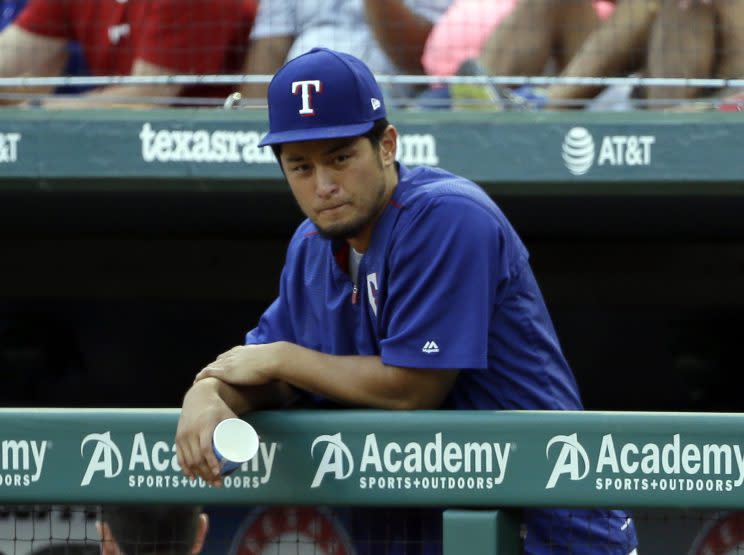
(354, 259)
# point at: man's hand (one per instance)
(202, 410)
(245, 365)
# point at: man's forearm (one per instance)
(242, 399)
(400, 32)
(128, 96)
(364, 380)
(265, 56)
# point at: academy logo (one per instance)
(337, 459)
(154, 464)
(629, 466)
(578, 151)
(105, 458)
(572, 459)
(22, 461)
(436, 464)
(580, 154)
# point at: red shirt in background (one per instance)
(184, 36)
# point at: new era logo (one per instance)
(430, 347)
(375, 104)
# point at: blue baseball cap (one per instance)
(322, 94)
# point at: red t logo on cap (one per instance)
(307, 98)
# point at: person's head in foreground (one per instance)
(328, 129)
(152, 529)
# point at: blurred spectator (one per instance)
(516, 37)
(388, 35)
(668, 38)
(129, 37)
(507, 37)
(617, 48)
(696, 39)
(9, 10)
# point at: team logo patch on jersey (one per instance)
(372, 291)
(430, 347)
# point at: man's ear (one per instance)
(108, 545)
(201, 533)
(389, 146)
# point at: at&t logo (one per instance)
(337, 459)
(578, 151)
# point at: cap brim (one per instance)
(299, 135)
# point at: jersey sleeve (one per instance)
(447, 266)
(191, 37)
(275, 18)
(46, 17)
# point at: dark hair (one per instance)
(378, 130)
(153, 529)
(374, 135)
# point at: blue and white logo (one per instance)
(578, 151)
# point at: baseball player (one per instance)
(403, 289)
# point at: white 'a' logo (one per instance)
(335, 457)
(102, 459)
(568, 459)
(305, 89)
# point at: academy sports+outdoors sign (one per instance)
(434, 458)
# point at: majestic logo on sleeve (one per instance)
(430, 347)
(306, 89)
(372, 291)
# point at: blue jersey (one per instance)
(444, 284)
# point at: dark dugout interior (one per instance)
(118, 299)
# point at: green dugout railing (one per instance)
(631, 153)
(463, 460)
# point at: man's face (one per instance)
(340, 184)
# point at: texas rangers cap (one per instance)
(322, 94)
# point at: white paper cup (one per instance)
(234, 442)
